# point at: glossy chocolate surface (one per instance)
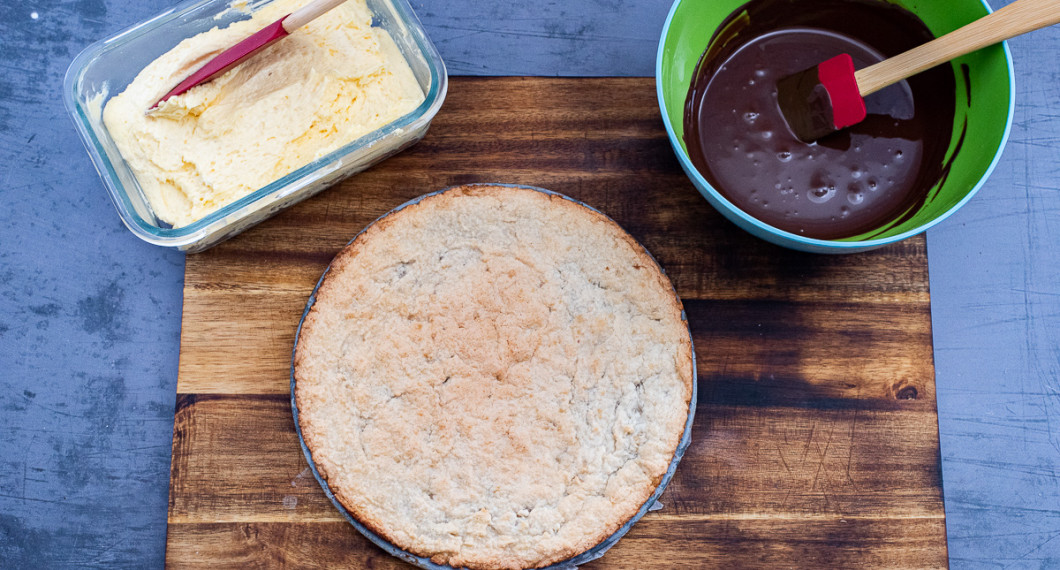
(858, 180)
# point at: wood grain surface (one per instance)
(816, 435)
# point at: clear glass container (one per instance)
(106, 68)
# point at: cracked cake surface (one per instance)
(493, 377)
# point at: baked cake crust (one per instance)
(493, 377)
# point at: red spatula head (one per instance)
(821, 100)
(228, 59)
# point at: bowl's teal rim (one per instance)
(701, 182)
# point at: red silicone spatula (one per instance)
(236, 54)
(830, 96)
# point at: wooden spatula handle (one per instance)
(1017, 18)
(308, 13)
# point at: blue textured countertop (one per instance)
(90, 315)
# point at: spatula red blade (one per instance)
(821, 100)
(229, 58)
(837, 76)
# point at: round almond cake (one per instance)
(493, 377)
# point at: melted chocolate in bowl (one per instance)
(861, 179)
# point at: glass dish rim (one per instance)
(286, 185)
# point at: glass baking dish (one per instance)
(107, 67)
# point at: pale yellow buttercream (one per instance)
(322, 87)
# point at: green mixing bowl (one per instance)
(691, 25)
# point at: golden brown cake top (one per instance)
(494, 377)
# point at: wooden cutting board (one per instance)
(816, 436)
